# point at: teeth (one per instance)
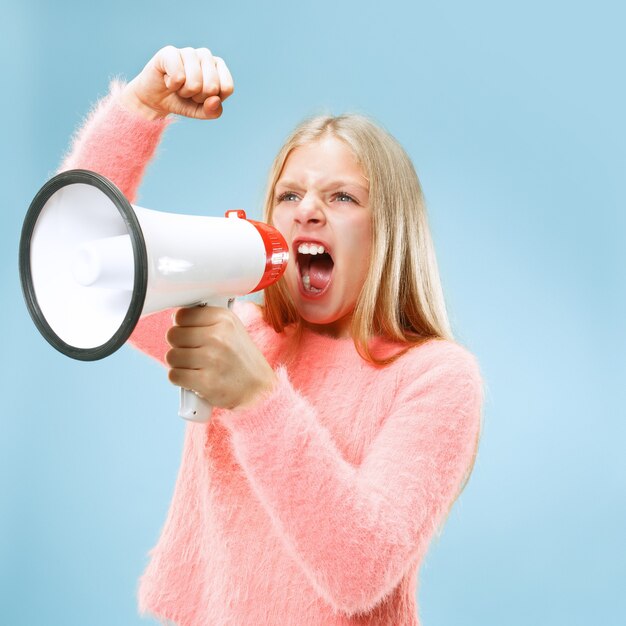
(311, 248)
(306, 282)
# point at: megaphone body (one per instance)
(92, 264)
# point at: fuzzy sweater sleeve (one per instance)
(119, 144)
(115, 142)
(354, 530)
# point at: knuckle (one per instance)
(206, 355)
(225, 320)
(211, 88)
(223, 313)
(193, 84)
(214, 343)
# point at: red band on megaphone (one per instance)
(276, 254)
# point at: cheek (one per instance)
(363, 241)
(361, 267)
(360, 254)
(278, 220)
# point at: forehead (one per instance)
(323, 160)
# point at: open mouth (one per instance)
(315, 266)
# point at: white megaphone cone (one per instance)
(91, 264)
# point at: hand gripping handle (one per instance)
(194, 407)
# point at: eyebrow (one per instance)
(333, 183)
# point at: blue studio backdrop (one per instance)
(513, 113)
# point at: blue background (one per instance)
(514, 115)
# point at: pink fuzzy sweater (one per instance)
(316, 506)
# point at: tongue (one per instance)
(320, 271)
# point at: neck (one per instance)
(339, 329)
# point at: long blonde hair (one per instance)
(401, 298)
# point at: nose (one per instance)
(310, 210)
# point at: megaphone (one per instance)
(92, 264)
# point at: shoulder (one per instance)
(449, 355)
(443, 366)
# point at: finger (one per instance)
(201, 316)
(169, 62)
(212, 107)
(187, 358)
(186, 336)
(197, 381)
(210, 76)
(227, 86)
(186, 378)
(193, 74)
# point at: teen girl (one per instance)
(347, 417)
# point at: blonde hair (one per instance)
(401, 299)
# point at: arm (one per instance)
(122, 132)
(355, 530)
(116, 142)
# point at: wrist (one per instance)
(129, 101)
(264, 388)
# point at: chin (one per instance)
(337, 325)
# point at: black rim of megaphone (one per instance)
(139, 252)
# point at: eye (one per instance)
(287, 196)
(342, 196)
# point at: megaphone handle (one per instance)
(192, 407)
